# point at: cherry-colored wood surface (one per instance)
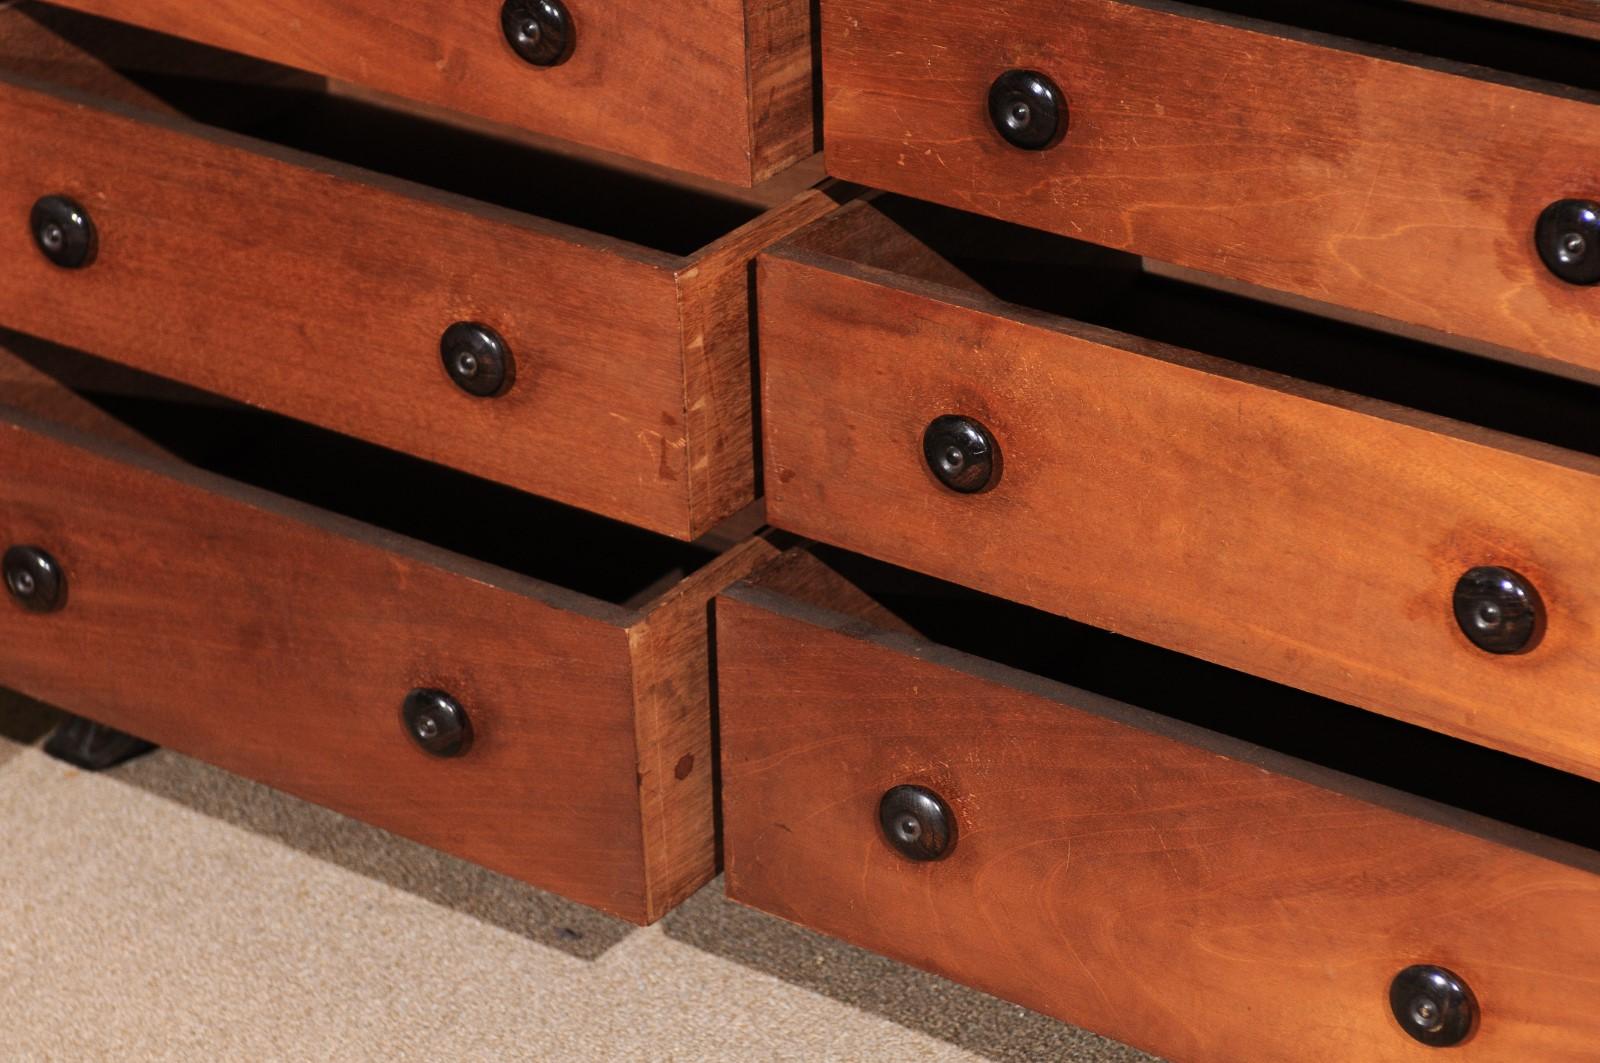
(1310, 536)
(1342, 175)
(319, 291)
(672, 653)
(719, 402)
(278, 642)
(1192, 896)
(721, 88)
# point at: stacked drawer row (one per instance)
(1254, 390)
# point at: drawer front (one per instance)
(1293, 532)
(1168, 895)
(721, 88)
(324, 295)
(280, 643)
(1394, 189)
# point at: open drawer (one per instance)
(1393, 158)
(279, 639)
(722, 88)
(1416, 538)
(906, 767)
(573, 330)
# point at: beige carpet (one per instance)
(169, 910)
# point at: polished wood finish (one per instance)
(320, 291)
(1310, 536)
(1196, 897)
(277, 641)
(1289, 161)
(721, 88)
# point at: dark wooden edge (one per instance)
(226, 139)
(1580, 18)
(1399, 56)
(811, 255)
(392, 542)
(750, 594)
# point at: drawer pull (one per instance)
(1027, 109)
(34, 579)
(917, 822)
(962, 453)
(437, 722)
(1568, 238)
(540, 31)
(1498, 610)
(476, 359)
(1433, 1005)
(63, 232)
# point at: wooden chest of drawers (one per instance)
(1402, 185)
(1176, 614)
(722, 88)
(1194, 895)
(1313, 536)
(280, 640)
(299, 284)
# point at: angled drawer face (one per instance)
(279, 640)
(1199, 897)
(1268, 523)
(721, 88)
(299, 284)
(1327, 168)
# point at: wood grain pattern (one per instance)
(785, 118)
(714, 305)
(278, 642)
(667, 82)
(1175, 896)
(320, 292)
(671, 651)
(1401, 190)
(1283, 529)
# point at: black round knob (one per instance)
(63, 232)
(1568, 239)
(1498, 610)
(34, 579)
(962, 453)
(540, 31)
(1027, 109)
(917, 822)
(437, 722)
(476, 358)
(1433, 1005)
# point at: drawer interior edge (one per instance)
(1340, 748)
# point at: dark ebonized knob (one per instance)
(961, 453)
(1027, 109)
(476, 358)
(1433, 1005)
(34, 579)
(917, 822)
(540, 31)
(1498, 610)
(1568, 238)
(63, 232)
(436, 722)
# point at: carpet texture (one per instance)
(168, 910)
